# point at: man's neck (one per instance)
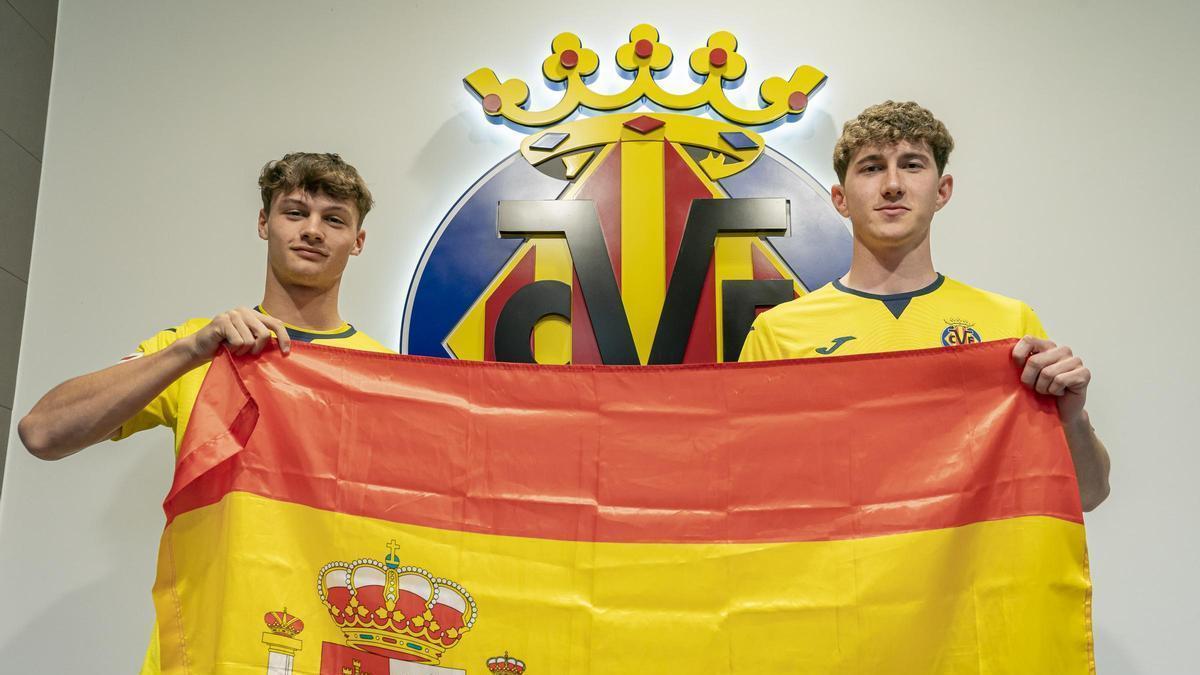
(888, 272)
(301, 306)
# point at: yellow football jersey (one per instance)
(835, 320)
(173, 407)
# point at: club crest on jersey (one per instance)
(639, 236)
(960, 332)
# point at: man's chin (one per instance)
(305, 279)
(891, 245)
(300, 273)
(898, 235)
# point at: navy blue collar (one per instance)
(896, 302)
(305, 336)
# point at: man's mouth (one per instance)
(892, 210)
(310, 253)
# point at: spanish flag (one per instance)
(346, 512)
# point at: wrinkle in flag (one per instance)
(346, 512)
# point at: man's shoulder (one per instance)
(806, 306)
(170, 334)
(961, 292)
(372, 345)
(362, 342)
(1003, 316)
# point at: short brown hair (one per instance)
(315, 172)
(889, 123)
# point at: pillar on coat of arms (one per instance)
(281, 641)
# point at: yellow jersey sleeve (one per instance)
(760, 344)
(164, 409)
(1031, 324)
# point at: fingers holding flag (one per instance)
(1054, 370)
(244, 330)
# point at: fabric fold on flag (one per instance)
(909, 512)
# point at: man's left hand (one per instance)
(1054, 370)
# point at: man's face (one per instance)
(310, 238)
(891, 193)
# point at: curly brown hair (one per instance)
(315, 172)
(889, 123)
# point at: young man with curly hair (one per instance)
(312, 221)
(891, 162)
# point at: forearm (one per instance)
(88, 409)
(1091, 462)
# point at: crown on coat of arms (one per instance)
(505, 664)
(400, 612)
(718, 65)
(283, 624)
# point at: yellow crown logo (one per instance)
(644, 57)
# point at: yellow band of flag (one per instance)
(892, 604)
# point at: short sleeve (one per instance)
(164, 409)
(760, 343)
(1031, 325)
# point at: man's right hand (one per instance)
(87, 409)
(243, 329)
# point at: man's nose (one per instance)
(893, 187)
(312, 229)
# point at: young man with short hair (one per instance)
(891, 161)
(312, 215)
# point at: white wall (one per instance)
(27, 36)
(1077, 191)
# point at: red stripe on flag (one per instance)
(818, 449)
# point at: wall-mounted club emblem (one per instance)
(633, 237)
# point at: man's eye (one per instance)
(335, 220)
(293, 213)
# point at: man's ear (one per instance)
(359, 240)
(262, 224)
(945, 190)
(838, 196)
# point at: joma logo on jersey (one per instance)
(959, 332)
(627, 238)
